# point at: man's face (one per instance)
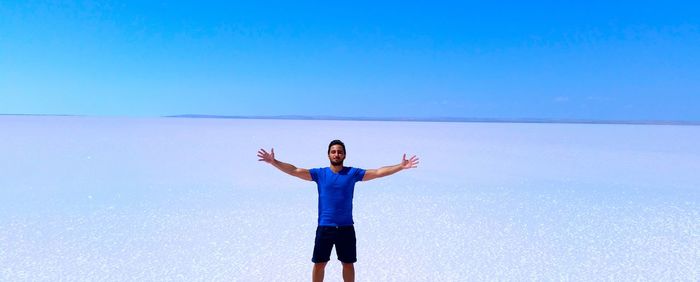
(336, 155)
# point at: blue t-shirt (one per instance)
(335, 191)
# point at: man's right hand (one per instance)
(302, 173)
(265, 156)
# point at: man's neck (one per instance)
(336, 168)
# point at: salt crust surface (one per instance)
(121, 199)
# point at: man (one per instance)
(335, 185)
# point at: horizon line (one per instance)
(407, 119)
(442, 119)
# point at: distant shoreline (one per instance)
(409, 119)
(444, 119)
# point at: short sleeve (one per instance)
(359, 174)
(314, 174)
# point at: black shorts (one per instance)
(343, 237)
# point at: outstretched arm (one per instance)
(284, 167)
(389, 170)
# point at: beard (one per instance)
(337, 163)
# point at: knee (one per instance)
(348, 265)
(320, 265)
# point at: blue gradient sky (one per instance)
(630, 60)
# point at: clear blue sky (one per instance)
(631, 60)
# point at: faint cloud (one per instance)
(562, 99)
(598, 98)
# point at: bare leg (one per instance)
(348, 272)
(319, 270)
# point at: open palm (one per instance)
(264, 156)
(409, 163)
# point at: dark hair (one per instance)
(336, 142)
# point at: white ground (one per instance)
(122, 199)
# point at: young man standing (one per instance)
(336, 184)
